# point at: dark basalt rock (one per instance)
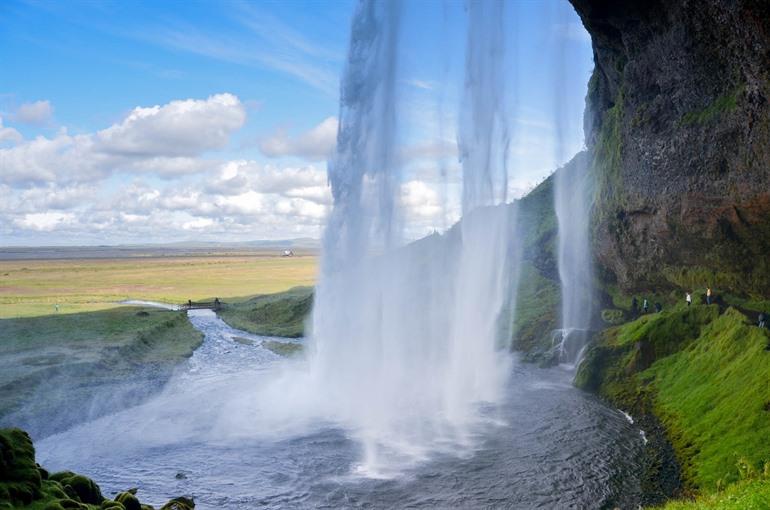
(679, 119)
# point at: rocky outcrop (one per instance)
(679, 121)
(24, 483)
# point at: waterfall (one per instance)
(572, 204)
(408, 343)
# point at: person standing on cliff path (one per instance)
(644, 306)
(688, 298)
(708, 295)
(762, 318)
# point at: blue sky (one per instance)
(130, 122)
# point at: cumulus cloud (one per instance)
(45, 221)
(8, 134)
(36, 113)
(179, 128)
(163, 140)
(313, 145)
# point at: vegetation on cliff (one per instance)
(705, 375)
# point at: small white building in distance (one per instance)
(288, 253)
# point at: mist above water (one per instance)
(405, 348)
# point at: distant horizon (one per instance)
(190, 243)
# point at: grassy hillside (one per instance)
(280, 314)
(50, 366)
(706, 376)
(34, 287)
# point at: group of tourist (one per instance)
(761, 321)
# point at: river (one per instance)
(550, 445)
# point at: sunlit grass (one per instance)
(33, 288)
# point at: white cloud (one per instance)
(8, 134)
(197, 224)
(313, 145)
(163, 140)
(179, 128)
(45, 221)
(36, 113)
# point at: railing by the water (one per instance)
(202, 305)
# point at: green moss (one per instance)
(536, 309)
(608, 158)
(613, 316)
(129, 501)
(746, 495)
(704, 375)
(283, 314)
(699, 277)
(26, 486)
(20, 479)
(282, 348)
(714, 399)
(725, 103)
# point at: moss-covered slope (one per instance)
(704, 375)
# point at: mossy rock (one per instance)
(282, 348)
(129, 501)
(180, 503)
(20, 478)
(613, 316)
(114, 505)
(80, 487)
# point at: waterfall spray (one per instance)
(406, 340)
(572, 203)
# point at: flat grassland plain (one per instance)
(52, 361)
(30, 288)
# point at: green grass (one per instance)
(89, 347)
(536, 309)
(714, 398)
(745, 495)
(34, 287)
(704, 375)
(282, 314)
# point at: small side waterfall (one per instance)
(407, 343)
(573, 206)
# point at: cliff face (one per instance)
(679, 120)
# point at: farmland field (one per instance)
(34, 287)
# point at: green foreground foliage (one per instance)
(706, 376)
(26, 485)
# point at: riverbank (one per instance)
(59, 370)
(283, 314)
(703, 374)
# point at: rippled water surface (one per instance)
(550, 446)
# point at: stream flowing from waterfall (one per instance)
(180, 442)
